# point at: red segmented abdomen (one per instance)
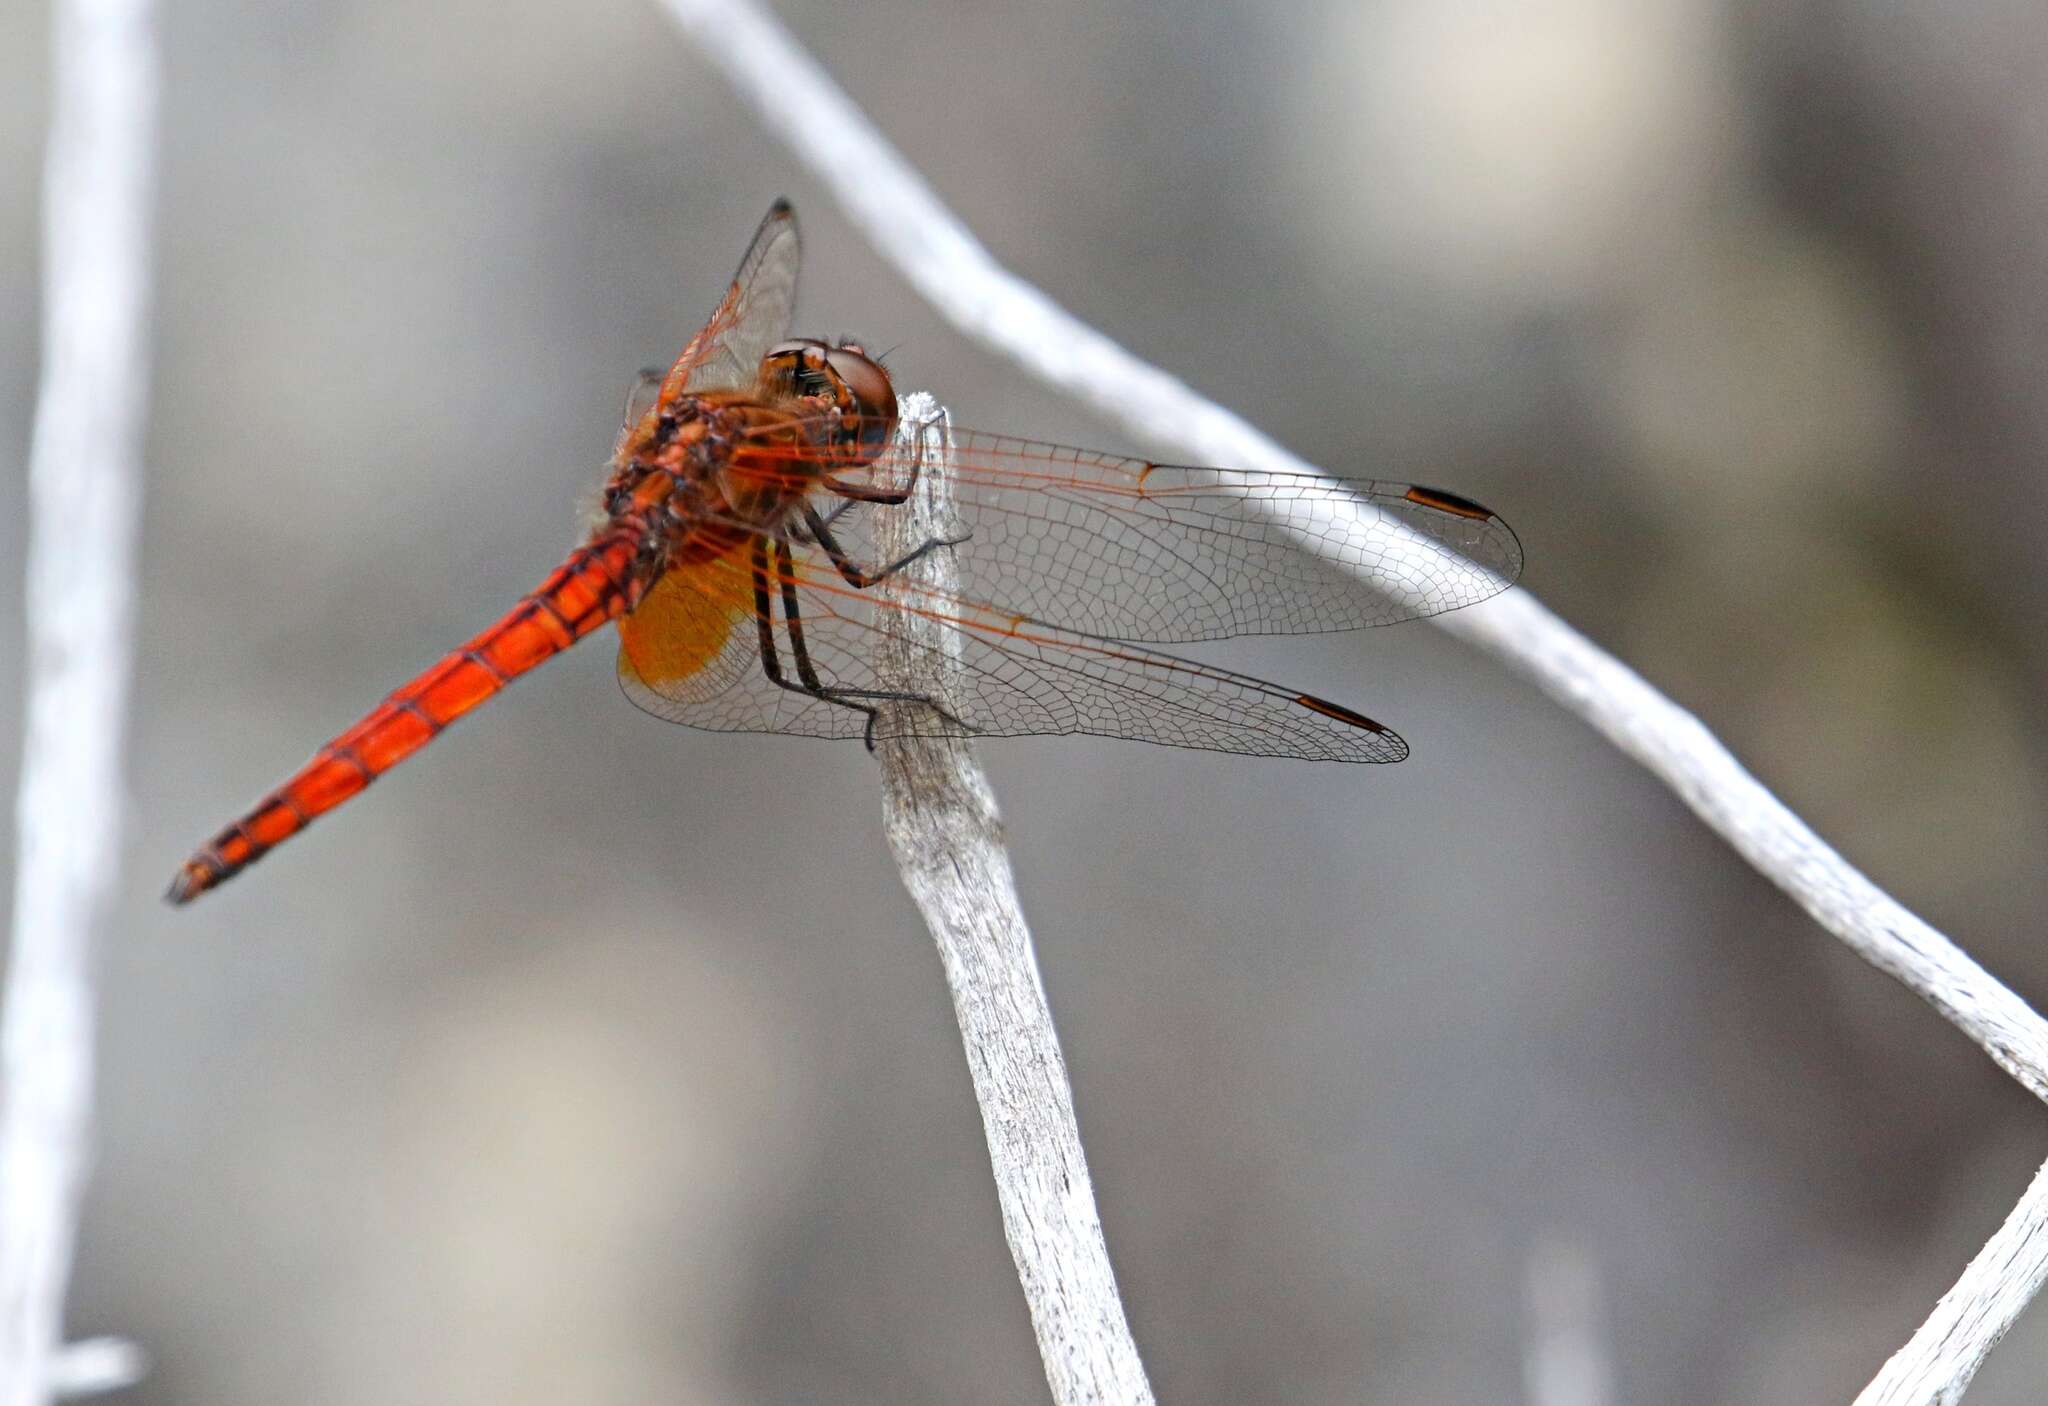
(593, 586)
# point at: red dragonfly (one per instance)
(737, 551)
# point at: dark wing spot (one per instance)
(1338, 711)
(1449, 503)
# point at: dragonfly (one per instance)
(736, 549)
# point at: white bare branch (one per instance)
(84, 500)
(1937, 1362)
(905, 220)
(948, 841)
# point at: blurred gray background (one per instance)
(589, 1059)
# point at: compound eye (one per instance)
(865, 381)
(874, 398)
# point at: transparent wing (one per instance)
(1014, 675)
(755, 315)
(1137, 550)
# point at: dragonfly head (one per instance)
(841, 378)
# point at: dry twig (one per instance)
(84, 497)
(942, 825)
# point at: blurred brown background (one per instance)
(593, 1060)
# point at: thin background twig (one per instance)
(904, 219)
(941, 820)
(84, 503)
(1565, 1361)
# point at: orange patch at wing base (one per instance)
(683, 624)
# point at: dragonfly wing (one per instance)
(726, 354)
(1022, 677)
(1007, 675)
(1165, 553)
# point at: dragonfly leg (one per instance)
(764, 621)
(820, 531)
(868, 493)
(797, 532)
(807, 675)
